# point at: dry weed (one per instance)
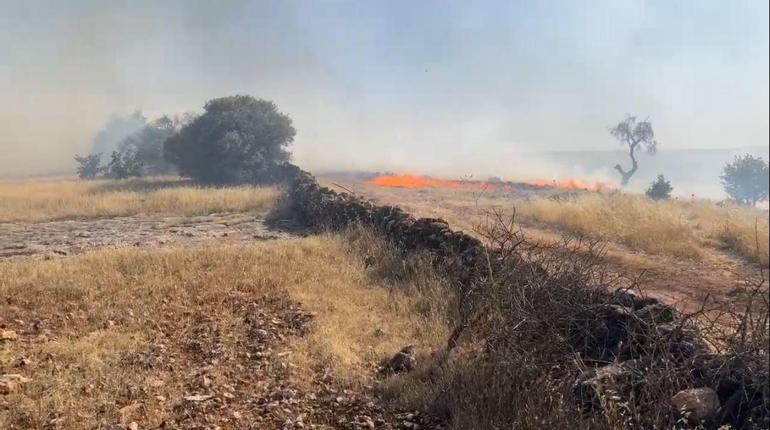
(37, 201)
(113, 329)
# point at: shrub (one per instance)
(88, 166)
(746, 179)
(124, 165)
(660, 189)
(237, 139)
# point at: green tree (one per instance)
(88, 166)
(124, 165)
(147, 143)
(236, 139)
(659, 189)
(634, 135)
(746, 179)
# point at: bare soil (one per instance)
(60, 238)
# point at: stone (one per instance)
(198, 397)
(404, 361)
(11, 382)
(696, 404)
(8, 335)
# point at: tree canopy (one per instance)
(746, 179)
(634, 135)
(236, 139)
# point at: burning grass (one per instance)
(48, 200)
(416, 182)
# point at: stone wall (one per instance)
(741, 390)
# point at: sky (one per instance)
(441, 87)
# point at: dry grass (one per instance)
(37, 201)
(89, 325)
(674, 228)
(632, 220)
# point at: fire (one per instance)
(416, 181)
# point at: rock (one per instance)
(611, 380)
(403, 361)
(10, 382)
(696, 404)
(133, 426)
(8, 335)
(656, 313)
(198, 397)
(129, 413)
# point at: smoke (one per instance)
(441, 88)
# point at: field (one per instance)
(50, 200)
(683, 249)
(151, 303)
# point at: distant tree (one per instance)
(124, 165)
(660, 189)
(88, 166)
(237, 139)
(746, 179)
(634, 134)
(147, 143)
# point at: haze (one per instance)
(438, 87)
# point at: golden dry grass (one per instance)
(673, 228)
(85, 322)
(47, 200)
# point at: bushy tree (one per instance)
(660, 189)
(634, 135)
(88, 166)
(147, 143)
(236, 139)
(746, 179)
(124, 165)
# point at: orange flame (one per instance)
(415, 181)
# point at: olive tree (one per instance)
(236, 139)
(634, 135)
(746, 179)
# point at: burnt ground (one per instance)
(60, 238)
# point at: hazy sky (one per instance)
(432, 86)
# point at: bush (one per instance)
(148, 142)
(237, 139)
(660, 189)
(88, 166)
(746, 179)
(124, 165)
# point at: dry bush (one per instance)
(638, 222)
(37, 201)
(742, 230)
(547, 319)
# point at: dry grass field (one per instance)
(674, 228)
(269, 331)
(48, 200)
(122, 336)
(678, 250)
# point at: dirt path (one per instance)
(60, 238)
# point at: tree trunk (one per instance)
(626, 176)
